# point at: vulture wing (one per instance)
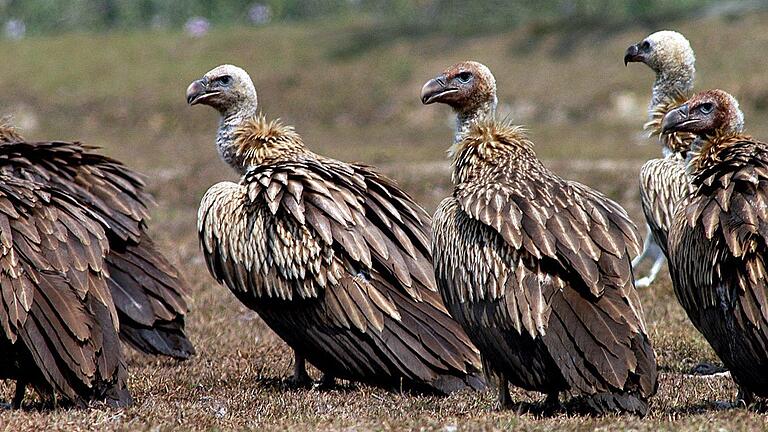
(718, 249)
(726, 216)
(517, 248)
(59, 325)
(349, 238)
(663, 183)
(148, 291)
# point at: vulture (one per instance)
(79, 272)
(534, 267)
(718, 240)
(663, 181)
(333, 256)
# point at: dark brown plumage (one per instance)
(537, 271)
(146, 290)
(717, 244)
(333, 256)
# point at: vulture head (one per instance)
(226, 88)
(706, 114)
(666, 52)
(465, 87)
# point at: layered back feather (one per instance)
(718, 249)
(335, 258)
(148, 291)
(536, 268)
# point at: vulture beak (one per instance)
(197, 92)
(677, 119)
(435, 89)
(633, 55)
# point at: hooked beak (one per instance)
(677, 120)
(435, 89)
(198, 92)
(633, 55)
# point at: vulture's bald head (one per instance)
(664, 51)
(705, 114)
(465, 87)
(227, 88)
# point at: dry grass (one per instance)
(125, 93)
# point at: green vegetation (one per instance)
(399, 16)
(124, 91)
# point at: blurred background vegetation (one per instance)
(411, 16)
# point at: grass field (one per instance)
(125, 92)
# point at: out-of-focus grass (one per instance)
(584, 109)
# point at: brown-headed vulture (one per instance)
(333, 256)
(534, 267)
(79, 264)
(717, 243)
(663, 181)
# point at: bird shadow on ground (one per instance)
(285, 384)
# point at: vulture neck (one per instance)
(671, 83)
(466, 119)
(225, 138)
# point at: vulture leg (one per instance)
(18, 396)
(552, 404)
(300, 376)
(505, 400)
(745, 398)
(651, 251)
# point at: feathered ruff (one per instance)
(8, 133)
(537, 271)
(676, 142)
(148, 291)
(718, 254)
(259, 141)
(335, 258)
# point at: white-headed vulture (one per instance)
(333, 256)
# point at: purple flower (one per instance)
(197, 26)
(259, 14)
(15, 29)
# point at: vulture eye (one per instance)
(224, 80)
(706, 108)
(645, 46)
(464, 77)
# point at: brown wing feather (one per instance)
(663, 183)
(321, 229)
(718, 247)
(149, 292)
(59, 322)
(537, 270)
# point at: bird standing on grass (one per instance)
(534, 267)
(717, 243)
(334, 257)
(663, 181)
(145, 292)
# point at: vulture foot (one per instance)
(327, 382)
(300, 377)
(744, 398)
(708, 369)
